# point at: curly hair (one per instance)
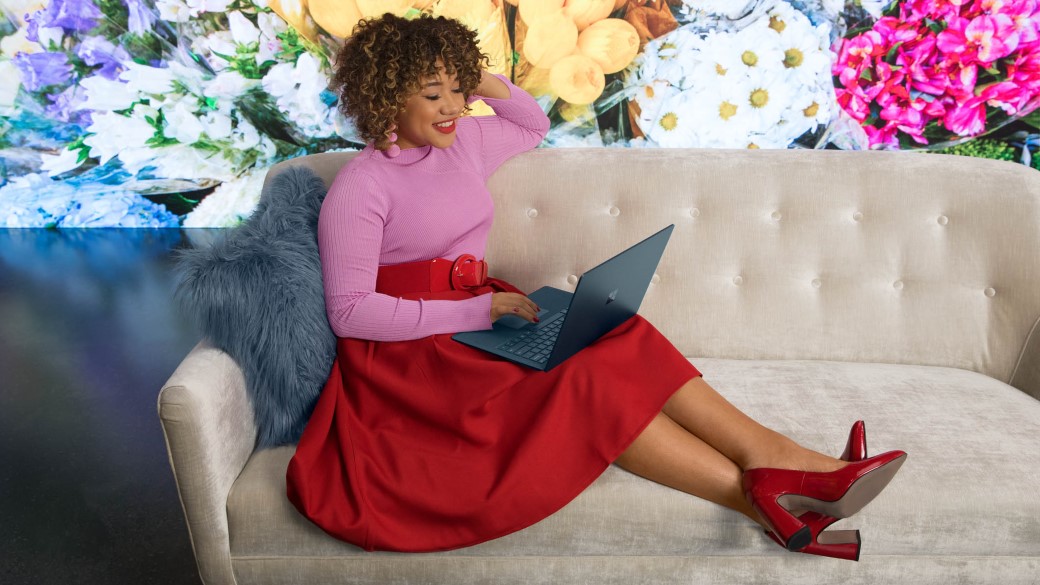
(384, 61)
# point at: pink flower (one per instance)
(941, 64)
(882, 137)
(966, 119)
(1008, 95)
(1024, 15)
(854, 103)
(986, 38)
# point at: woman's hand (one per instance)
(491, 86)
(506, 303)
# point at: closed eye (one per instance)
(437, 96)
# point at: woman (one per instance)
(419, 443)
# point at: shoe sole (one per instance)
(858, 495)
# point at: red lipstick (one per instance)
(445, 129)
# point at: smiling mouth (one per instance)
(445, 127)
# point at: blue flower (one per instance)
(43, 69)
(36, 201)
(99, 51)
(142, 17)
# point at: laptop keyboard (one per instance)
(536, 344)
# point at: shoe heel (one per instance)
(788, 530)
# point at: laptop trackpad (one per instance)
(516, 322)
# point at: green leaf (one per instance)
(1032, 119)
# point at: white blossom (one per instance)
(8, 90)
(173, 10)
(243, 31)
(63, 162)
(297, 90)
(105, 95)
(114, 134)
(230, 203)
(182, 123)
(147, 79)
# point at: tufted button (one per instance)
(817, 283)
(738, 280)
(776, 215)
(532, 213)
(990, 292)
(694, 212)
(857, 216)
(656, 279)
(572, 279)
(943, 220)
(898, 285)
(614, 211)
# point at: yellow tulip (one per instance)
(532, 10)
(294, 13)
(489, 22)
(472, 13)
(337, 17)
(586, 12)
(611, 42)
(577, 79)
(376, 8)
(549, 39)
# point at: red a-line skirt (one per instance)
(430, 445)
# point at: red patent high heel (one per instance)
(838, 544)
(838, 494)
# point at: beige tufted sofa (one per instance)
(811, 288)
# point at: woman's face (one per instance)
(429, 116)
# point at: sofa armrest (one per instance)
(1026, 375)
(210, 433)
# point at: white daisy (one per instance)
(768, 95)
(758, 48)
(723, 116)
(650, 98)
(676, 124)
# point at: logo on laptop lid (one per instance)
(612, 296)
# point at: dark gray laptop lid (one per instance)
(608, 295)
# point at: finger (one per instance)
(526, 313)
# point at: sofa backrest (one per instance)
(852, 256)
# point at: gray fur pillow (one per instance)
(257, 295)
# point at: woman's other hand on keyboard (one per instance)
(506, 303)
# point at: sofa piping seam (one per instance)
(1022, 353)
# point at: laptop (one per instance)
(605, 297)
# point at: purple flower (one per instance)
(43, 69)
(33, 31)
(99, 51)
(71, 15)
(64, 106)
(142, 17)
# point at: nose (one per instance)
(453, 105)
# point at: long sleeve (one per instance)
(519, 125)
(350, 236)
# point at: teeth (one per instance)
(445, 124)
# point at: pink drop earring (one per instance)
(393, 150)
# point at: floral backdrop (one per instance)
(167, 113)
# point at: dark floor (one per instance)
(88, 335)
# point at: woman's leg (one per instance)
(702, 411)
(670, 455)
(701, 444)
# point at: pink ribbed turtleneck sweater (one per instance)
(426, 203)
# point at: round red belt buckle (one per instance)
(468, 272)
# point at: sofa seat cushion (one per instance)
(968, 487)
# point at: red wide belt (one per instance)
(464, 273)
